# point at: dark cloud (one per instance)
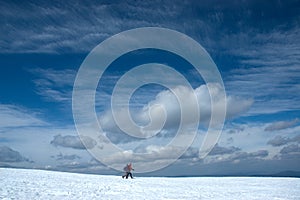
(248, 156)
(258, 154)
(73, 142)
(9, 155)
(218, 150)
(281, 125)
(278, 141)
(292, 148)
(221, 154)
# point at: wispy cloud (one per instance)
(75, 27)
(282, 125)
(54, 85)
(12, 116)
(274, 88)
(78, 27)
(268, 69)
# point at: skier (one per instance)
(127, 170)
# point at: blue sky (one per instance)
(254, 44)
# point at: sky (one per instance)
(254, 44)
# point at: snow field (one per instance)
(39, 184)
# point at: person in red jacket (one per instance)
(128, 168)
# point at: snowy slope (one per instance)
(38, 184)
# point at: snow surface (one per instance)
(39, 184)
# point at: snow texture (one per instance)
(39, 184)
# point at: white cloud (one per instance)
(252, 137)
(153, 157)
(206, 100)
(34, 143)
(59, 78)
(16, 116)
(248, 144)
(166, 104)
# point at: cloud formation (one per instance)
(282, 125)
(11, 156)
(74, 142)
(54, 85)
(62, 157)
(270, 68)
(235, 155)
(257, 52)
(219, 150)
(77, 27)
(246, 156)
(292, 148)
(280, 141)
(169, 107)
(12, 116)
(84, 25)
